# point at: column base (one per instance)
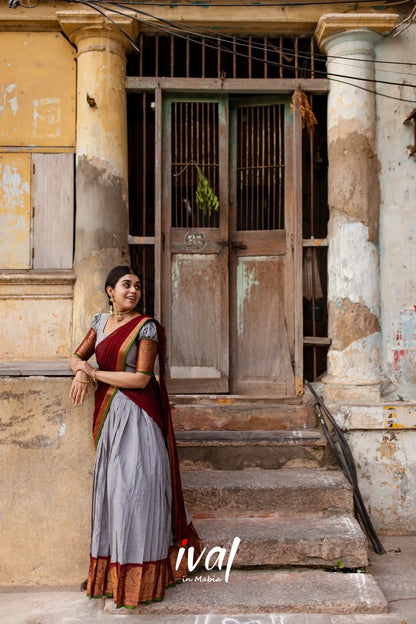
(340, 392)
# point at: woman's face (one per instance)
(126, 293)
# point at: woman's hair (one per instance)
(115, 274)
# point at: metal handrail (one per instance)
(345, 459)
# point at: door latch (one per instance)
(238, 245)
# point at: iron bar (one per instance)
(186, 146)
(197, 133)
(281, 171)
(234, 57)
(144, 290)
(141, 55)
(156, 55)
(252, 172)
(345, 459)
(144, 158)
(192, 159)
(203, 58)
(312, 57)
(249, 58)
(269, 171)
(262, 165)
(265, 56)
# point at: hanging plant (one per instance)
(206, 200)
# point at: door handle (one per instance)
(238, 245)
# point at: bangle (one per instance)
(81, 380)
(94, 372)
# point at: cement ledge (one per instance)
(384, 416)
(36, 368)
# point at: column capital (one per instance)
(332, 24)
(88, 24)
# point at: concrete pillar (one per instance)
(354, 358)
(101, 233)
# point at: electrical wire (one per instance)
(243, 42)
(90, 4)
(265, 4)
(95, 5)
(214, 36)
(333, 77)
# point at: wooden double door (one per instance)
(231, 290)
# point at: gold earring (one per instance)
(111, 305)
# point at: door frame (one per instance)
(172, 240)
(285, 243)
(294, 198)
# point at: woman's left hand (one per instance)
(85, 367)
(78, 392)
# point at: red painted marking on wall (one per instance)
(396, 356)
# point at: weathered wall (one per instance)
(46, 462)
(102, 224)
(37, 130)
(15, 211)
(37, 96)
(35, 316)
(398, 218)
(382, 439)
(382, 434)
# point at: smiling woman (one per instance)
(139, 520)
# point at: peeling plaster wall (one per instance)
(102, 225)
(398, 220)
(382, 439)
(37, 97)
(382, 435)
(15, 211)
(46, 463)
(386, 463)
(353, 362)
(37, 121)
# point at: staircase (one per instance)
(262, 471)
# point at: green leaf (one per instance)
(205, 197)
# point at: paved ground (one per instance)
(395, 573)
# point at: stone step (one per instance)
(235, 450)
(268, 592)
(228, 413)
(256, 492)
(70, 607)
(296, 540)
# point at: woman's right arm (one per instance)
(79, 387)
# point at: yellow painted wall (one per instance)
(37, 113)
(14, 211)
(36, 320)
(37, 90)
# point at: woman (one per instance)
(139, 520)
